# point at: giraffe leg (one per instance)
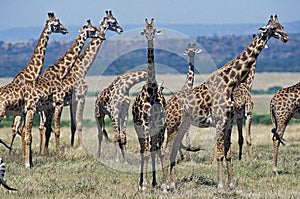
(124, 120)
(280, 124)
(248, 135)
(73, 107)
(15, 130)
(42, 130)
(57, 117)
(99, 121)
(28, 137)
(79, 118)
(239, 122)
(276, 144)
(47, 130)
(117, 139)
(222, 148)
(145, 155)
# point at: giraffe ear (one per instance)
(198, 51)
(159, 32)
(264, 28)
(185, 52)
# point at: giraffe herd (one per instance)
(160, 125)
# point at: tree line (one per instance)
(278, 57)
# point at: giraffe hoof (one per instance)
(164, 188)
(220, 186)
(231, 186)
(275, 170)
(172, 187)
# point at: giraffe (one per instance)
(284, 105)
(149, 113)
(114, 101)
(243, 106)
(191, 51)
(57, 69)
(11, 94)
(41, 96)
(210, 104)
(74, 86)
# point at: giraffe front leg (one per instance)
(124, 120)
(145, 155)
(248, 135)
(73, 107)
(79, 119)
(28, 137)
(239, 122)
(117, 139)
(57, 117)
(99, 121)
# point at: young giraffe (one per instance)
(210, 104)
(41, 95)
(114, 101)
(284, 105)
(243, 106)
(74, 86)
(148, 112)
(11, 100)
(189, 82)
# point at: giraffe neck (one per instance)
(86, 59)
(34, 67)
(132, 78)
(151, 68)
(231, 74)
(189, 82)
(63, 65)
(248, 81)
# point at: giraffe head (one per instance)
(274, 29)
(191, 50)
(150, 30)
(90, 31)
(109, 22)
(54, 25)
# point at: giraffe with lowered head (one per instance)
(211, 104)
(114, 101)
(148, 112)
(41, 95)
(284, 106)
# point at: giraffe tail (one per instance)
(2, 172)
(190, 149)
(2, 142)
(274, 130)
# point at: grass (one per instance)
(78, 174)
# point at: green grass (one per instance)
(78, 174)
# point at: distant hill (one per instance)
(192, 30)
(219, 48)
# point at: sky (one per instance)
(27, 13)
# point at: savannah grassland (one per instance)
(77, 173)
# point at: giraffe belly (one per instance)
(202, 122)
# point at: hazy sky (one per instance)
(20, 13)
